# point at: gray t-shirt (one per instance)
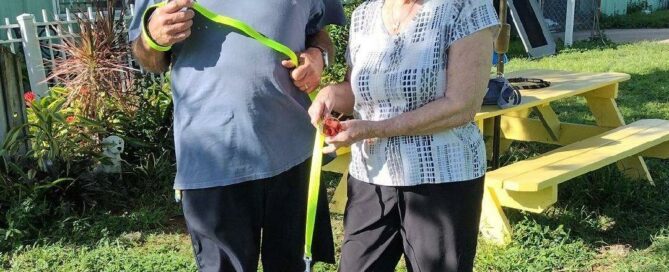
(237, 115)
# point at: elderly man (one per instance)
(242, 133)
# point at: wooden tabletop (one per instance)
(563, 84)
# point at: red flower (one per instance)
(29, 97)
(69, 119)
(331, 127)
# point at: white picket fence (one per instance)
(38, 37)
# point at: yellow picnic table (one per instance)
(532, 185)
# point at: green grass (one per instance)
(656, 19)
(601, 222)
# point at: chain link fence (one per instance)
(586, 15)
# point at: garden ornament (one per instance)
(112, 148)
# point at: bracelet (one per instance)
(147, 37)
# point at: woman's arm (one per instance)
(337, 97)
(468, 74)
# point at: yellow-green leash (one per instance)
(317, 156)
(312, 198)
(220, 19)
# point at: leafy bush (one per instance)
(339, 34)
(56, 177)
(657, 19)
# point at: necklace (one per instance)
(397, 23)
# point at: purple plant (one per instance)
(95, 67)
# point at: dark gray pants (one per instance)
(435, 226)
(225, 224)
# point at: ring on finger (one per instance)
(306, 86)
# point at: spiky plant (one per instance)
(95, 66)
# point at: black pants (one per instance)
(435, 226)
(225, 224)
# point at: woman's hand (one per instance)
(322, 106)
(352, 131)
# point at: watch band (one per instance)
(324, 54)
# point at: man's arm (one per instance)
(322, 40)
(151, 60)
(168, 25)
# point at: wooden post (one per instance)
(4, 112)
(569, 25)
(12, 106)
(33, 54)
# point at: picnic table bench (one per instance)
(532, 184)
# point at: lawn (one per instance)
(602, 222)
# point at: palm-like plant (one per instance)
(95, 66)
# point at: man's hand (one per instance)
(307, 76)
(171, 23)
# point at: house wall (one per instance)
(12, 8)
(613, 7)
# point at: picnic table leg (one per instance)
(504, 144)
(494, 224)
(338, 202)
(606, 113)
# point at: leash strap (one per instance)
(220, 19)
(312, 198)
(531, 83)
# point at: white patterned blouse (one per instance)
(393, 74)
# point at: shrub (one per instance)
(339, 34)
(94, 67)
(55, 178)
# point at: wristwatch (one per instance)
(324, 54)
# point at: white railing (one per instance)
(39, 37)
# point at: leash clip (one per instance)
(307, 264)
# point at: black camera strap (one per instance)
(522, 83)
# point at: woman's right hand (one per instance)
(322, 106)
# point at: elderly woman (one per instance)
(418, 71)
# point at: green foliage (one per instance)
(638, 19)
(35, 185)
(57, 135)
(130, 252)
(535, 247)
(638, 6)
(339, 35)
(54, 184)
